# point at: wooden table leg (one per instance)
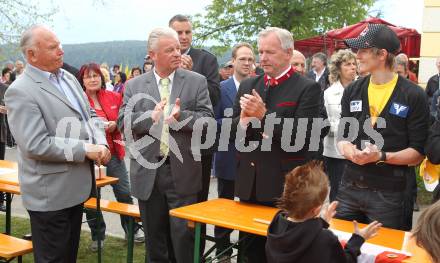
(8, 213)
(198, 228)
(130, 240)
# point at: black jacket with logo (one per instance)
(406, 116)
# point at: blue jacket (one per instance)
(225, 165)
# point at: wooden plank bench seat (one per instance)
(12, 247)
(122, 209)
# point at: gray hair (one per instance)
(27, 38)
(321, 56)
(399, 62)
(158, 33)
(284, 36)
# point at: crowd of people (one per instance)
(373, 127)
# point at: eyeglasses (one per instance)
(88, 77)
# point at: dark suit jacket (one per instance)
(225, 159)
(205, 64)
(262, 170)
(323, 80)
(432, 86)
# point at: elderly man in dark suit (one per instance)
(279, 96)
(157, 116)
(55, 165)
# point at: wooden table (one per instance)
(10, 185)
(254, 219)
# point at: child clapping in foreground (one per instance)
(297, 233)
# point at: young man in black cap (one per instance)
(393, 119)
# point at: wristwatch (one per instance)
(382, 159)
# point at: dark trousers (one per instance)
(55, 234)
(162, 231)
(222, 235)
(410, 198)
(334, 168)
(202, 196)
(254, 246)
(366, 205)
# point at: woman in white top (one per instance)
(342, 69)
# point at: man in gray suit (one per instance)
(159, 112)
(49, 115)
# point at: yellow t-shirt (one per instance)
(378, 96)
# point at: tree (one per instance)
(231, 21)
(17, 15)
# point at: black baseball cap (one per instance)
(378, 36)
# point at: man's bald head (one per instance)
(298, 62)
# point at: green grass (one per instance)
(115, 249)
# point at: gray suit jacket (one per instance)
(52, 175)
(137, 124)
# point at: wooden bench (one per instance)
(9, 190)
(12, 247)
(132, 211)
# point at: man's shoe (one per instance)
(139, 236)
(2, 208)
(94, 245)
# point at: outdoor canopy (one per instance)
(333, 40)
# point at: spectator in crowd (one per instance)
(319, 72)
(379, 160)
(135, 71)
(10, 66)
(426, 232)
(106, 104)
(226, 71)
(432, 87)
(3, 133)
(282, 93)
(204, 63)
(60, 161)
(115, 70)
(160, 179)
(148, 64)
(298, 62)
(120, 79)
(402, 59)
(432, 150)
(342, 70)
(19, 67)
(401, 68)
(105, 66)
(298, 234)
(6, 76)
(108, 82)
(225, 159)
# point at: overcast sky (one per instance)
(84, 21)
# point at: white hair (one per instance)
(158, 33)
(283, 35)
(27, 38)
